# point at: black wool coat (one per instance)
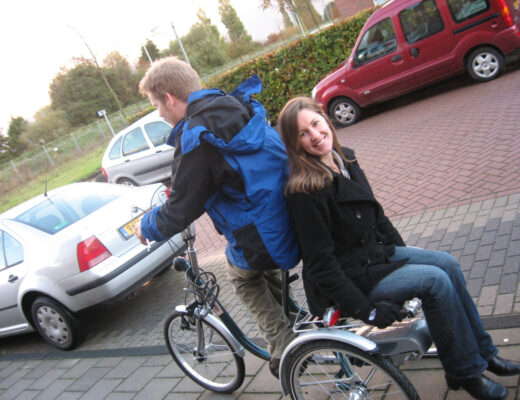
(345, 240)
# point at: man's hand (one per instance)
(139, 234)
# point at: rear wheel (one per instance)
(326, 369)
(127, 182)
(484, 64)
(56, 324)
(344, 112)
(216, 366)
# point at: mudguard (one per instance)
(221, 328)
(338, 335)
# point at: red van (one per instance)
(408, 44)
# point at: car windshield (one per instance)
(58, 212)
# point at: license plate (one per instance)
(128, 230)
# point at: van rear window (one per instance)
(462, 10)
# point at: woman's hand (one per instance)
(383, 314)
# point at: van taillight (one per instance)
(90, 253)
(104, 172)
(504, 10)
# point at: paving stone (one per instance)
(139, 379)
(89, 379)
(156, 389)
(101, 389)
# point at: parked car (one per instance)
(73, 248)
(408, 44)
(139, 155)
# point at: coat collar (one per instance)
(348, 190)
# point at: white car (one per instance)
(139, 155)
(72, 248)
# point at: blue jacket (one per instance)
(231, 163)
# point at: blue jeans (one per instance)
(453, 320)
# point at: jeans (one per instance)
(435, 278)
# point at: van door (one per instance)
(429, 42)
(380, 69)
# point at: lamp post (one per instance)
(180, 44)
(147, 54)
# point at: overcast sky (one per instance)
(38, 38)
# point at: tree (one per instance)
(303, 10)
(12, 145)
(122, 78)
(330, 11)
(152, 50)
(17, 127)
(204, 45)
(287, 22)
(240, 41)
(48, 125)
(81, 92)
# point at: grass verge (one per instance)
(73, 171)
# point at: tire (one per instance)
(485, 64)
(56, 324)
(314, 372)
(344, 112)
(127, 182)
(220, 369)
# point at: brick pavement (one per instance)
(474, 217)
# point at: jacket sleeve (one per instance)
(313, 229)
(199, 174)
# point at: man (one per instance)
(231, 164)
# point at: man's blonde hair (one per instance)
(170, 75)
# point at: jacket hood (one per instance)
(233, 123)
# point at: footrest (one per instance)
(408, 339)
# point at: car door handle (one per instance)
(414, 51)
(12, 278)
(159, 151)
(127, 160)
(397, 57)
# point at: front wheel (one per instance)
(344, 112)
(56, 324)
(485, 64)
(326, 369)
(215, 365)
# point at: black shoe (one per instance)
(274, 367)
(502, 367)
(481, 388)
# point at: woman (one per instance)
(355, 259)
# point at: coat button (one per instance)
(357, 214)
(362, 241)
(380, 242)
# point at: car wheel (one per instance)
(485, 64)
(344, 112)
(56, 324)
(127, 182)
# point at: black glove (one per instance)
(383, 314)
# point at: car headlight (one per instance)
(313, 93)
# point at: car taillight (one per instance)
(104, 172)
(90, 253)
(504, 10)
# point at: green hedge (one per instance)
(294, 70)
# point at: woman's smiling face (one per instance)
(314, 133)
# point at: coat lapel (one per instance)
(349, 190)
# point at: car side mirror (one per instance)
(361, 58)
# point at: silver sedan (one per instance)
(73, 248)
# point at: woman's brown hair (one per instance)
(306, 173)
